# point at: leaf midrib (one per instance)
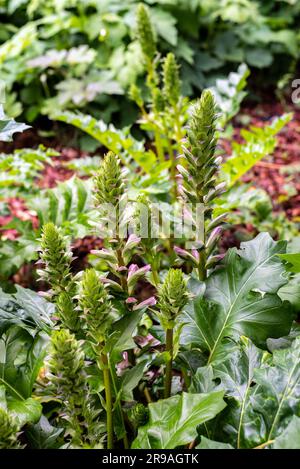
(220, 336)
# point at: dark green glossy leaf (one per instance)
(263, 393)
(173, 421)
(43, 435)
(22, 410)
(240, 299)
(25, 309)
(21, 357)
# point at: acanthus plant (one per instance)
(155, 344)
(125, 371)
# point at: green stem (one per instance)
(173, 169)
(155, 276)
(119, 407)
(159, 147)
(178, 134)
(263, 445)
(121, 264)
(201, 267)
(108, 399)
(168, 377)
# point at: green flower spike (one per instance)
(145, 32)
(69, 383)
(57, 259)
(95, 306)
(66, 366)
(171, 89)
(200, 150)
(200, 176)
(172, 298)
(108, 181)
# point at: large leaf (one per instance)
(173, 421)
(121, 338)
(26, 411)
(263, 395)
(68, 205)
(43, 435)
(22, 410)
(276, 397)
(236, 376)
(26, 309)
(290, 438)
(21, 358)
(240, 299)
(8, 127)
(130, 379)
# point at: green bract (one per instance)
(172, 298)
(57, 259)
(95, 306)
(108, 181)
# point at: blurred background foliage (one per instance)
(83, 54)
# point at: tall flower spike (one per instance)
(200, 175)
(66, 366)
(95, 306)
(145, 32)
(8, 431)
(69, 382)
(200, 150)
(57, 259)
(171, 88)
(172, 298)
(67, 311)
(108, 181)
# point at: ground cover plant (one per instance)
(161, 338)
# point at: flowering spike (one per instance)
(108, 181)
(201, 146)
(66, 366)
(67, 311)
(171, 80)
(172, 298)
(145, 32)
(57, 259)
(95, 306)
(69, 383)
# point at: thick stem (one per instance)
(108, 399)
(168, 377)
